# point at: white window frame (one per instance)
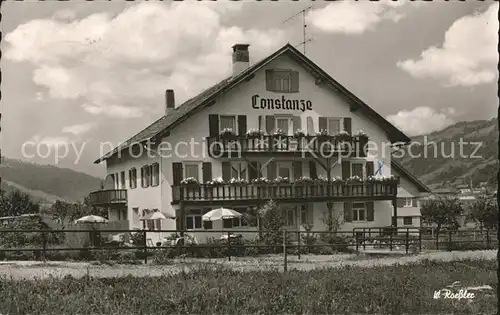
(408, 202)
(240, 165)
(288, 165)
(411, 218)
(356, 209)
(363, 165)
(290, 123)
(328, 121)
(192, 217)
(132, 178)
(196, 163)
(235, 122)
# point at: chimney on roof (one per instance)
(241, 58)
(169, 101)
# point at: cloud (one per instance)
(79, 129)
(353, 17)
(52, 142)
(468, 56)
(422, 120)
(120, 66)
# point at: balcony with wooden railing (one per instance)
(108, 197)
(229, 146)
(291, 192)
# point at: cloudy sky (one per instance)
(89, 72)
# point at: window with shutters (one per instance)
(132, 178)
(227, 122)
(407, 220)
(310, 125)
(358, 212)
(192, 169)
(239, 170)
(135, 217)
(286, 81)
(285, 169)
(333, 126)
(155, 174)
(357, 169)
(285, 124)
(145, 176)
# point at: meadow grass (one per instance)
(398, 289)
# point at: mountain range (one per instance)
(438, 168)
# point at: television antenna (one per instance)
(305, 40)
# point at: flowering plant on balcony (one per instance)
(278, 132)
(227, 133)
(191, 181)
(354, 179)
(299, 133)
(322, 133)
(381, 179)
(218, 181)
(254, 133)
(260, 181)
(321, 179)
(304, 180)
(281, 180)
(343, 136)
(360, 134)
(238, 181)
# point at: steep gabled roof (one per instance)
(163, 125)
(415, 181)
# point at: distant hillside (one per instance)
(45, 182)
(439, 170)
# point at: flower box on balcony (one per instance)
(238, 182)
(254, 133)
(190, 182)
(299, 134)
(227, 134)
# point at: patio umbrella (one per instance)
(91, 219)
(158, 215)
(220, 214)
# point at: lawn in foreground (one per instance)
(399, 289)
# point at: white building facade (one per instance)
(244, 129)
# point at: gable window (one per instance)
(132, 178)
(286, 81)
(227, 122)
(145, 176)
(408, 202)
(155, 173)
(239, 170)
(333, 126)
(358, 212)
(357, 169)
(122, 180)
(192, 169)
(407, 220)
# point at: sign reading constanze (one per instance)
(280, 103)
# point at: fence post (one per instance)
(145, 247)
(284, 251)
(298, 246)
(390, 241)
(437, 241)
(44, 246)
(407, 241)
(229, 246)
(419, 241)
(487, 239)
(449, 241)
(357, 242)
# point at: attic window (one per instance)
(284, 81)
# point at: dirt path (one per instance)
(18, 269)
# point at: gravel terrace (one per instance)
(33, 269)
